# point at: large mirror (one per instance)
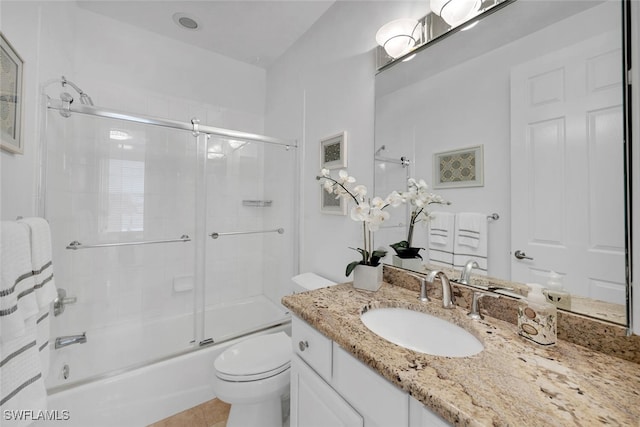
(520, 116)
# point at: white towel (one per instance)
(45, 289)
(471, 241)
(470, 229)
(441, 228)
(441, 232)
(17, 297)
(21, 381)
(41, 259)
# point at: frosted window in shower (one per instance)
(125, 193)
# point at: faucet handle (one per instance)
(474, 313)
(423, 288)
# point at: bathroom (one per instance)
(319, 82)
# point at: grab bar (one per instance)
(215, 235)
(77, 245)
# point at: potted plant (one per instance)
(367, 270)
(418, 196)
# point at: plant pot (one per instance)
(367, 278)
(414, 264)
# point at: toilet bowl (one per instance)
(253, 375)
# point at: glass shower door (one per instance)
(251, 225)
(120, 199)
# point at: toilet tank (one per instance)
(309, 281)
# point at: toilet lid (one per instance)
(255, 358)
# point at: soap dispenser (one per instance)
(537, 318)
(555, 292)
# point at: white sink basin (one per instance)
(421, 332)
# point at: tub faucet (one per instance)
(71, 339)
(447, 292)
(465, 276)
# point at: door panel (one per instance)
(567, 169)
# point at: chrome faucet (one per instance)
(447, 292)
(71, 339)
(475, 312)
(465, 276)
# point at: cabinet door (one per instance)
(381, 402)
(421, 416)
(315, 404)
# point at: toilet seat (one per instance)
(255, 358)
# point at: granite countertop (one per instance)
(512, 382)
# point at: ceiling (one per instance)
(256, 32)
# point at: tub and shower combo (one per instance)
(171, 241)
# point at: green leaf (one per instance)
(400, 245)
(351, 267)
(375, 257)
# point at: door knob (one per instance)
(521, 255)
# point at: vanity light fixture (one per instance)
(399, 37)
(455, 12)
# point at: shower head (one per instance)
(382, 147)
(84, 98)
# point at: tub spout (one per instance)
(71, 339)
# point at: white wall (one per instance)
(120, 67)
(323, 85)
(41, 34)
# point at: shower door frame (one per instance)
(202, 134)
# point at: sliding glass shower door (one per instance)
(120, 200)
(168, 239)
(251, 235)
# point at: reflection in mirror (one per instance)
(537, 86)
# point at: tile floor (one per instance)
(213, 413)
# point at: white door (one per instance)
(314, 403)
(567, 198)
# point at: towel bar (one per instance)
(215, 235)
(77, 245)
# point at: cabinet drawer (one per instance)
(313, 347)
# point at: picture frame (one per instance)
(330, 205)
(333, 151)
(459, 168)
(11, 98)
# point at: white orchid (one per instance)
(370, 212)
(418, 196)
(360, 191)
(344, 177)
(394, 199)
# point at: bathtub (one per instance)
(142, 395)
(145, 395)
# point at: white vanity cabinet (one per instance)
(329, 387)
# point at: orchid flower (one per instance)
(370, 212)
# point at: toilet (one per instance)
(253, 375)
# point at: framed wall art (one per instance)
(330, 205)
(459, 168)
(333, 151)
(10, 98)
